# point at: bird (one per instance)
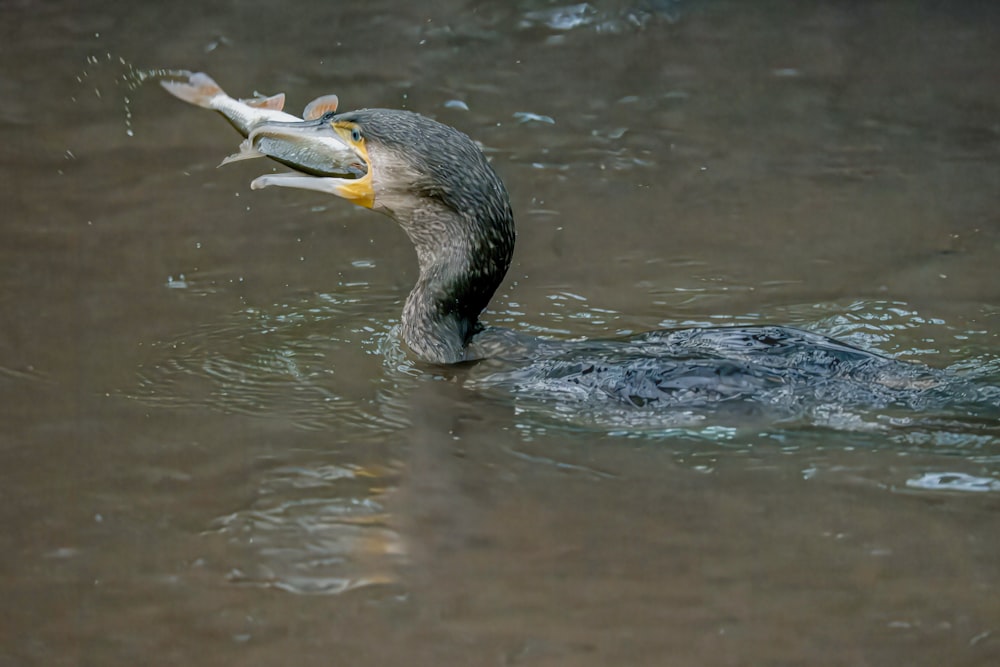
(436, 183)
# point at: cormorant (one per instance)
(437, 184)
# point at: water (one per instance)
(214, 450)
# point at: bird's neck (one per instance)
(463, 259)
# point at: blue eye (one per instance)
(356, 134)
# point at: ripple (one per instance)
(299, 362)
(636, 16)
(296, 362)
(29, 373)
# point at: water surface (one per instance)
(215, 451)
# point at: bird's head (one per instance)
(420, 172)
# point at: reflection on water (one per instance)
(319, 529)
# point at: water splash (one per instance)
(125, 77)
(637, 16)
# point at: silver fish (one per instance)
(312, 147)
(307, 145)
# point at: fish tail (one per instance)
(199, 89)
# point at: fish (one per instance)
(304, 144)
(201, 90)
(311, 147)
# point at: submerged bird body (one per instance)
(781, 371)
(436, 183)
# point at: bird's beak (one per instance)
(323, 157)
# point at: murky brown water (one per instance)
(213, 452)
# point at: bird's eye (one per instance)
(356, 134)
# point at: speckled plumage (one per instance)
(438, 185)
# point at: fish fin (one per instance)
(199, 89)
(319, 106)
(275, 102)
(247, 152)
